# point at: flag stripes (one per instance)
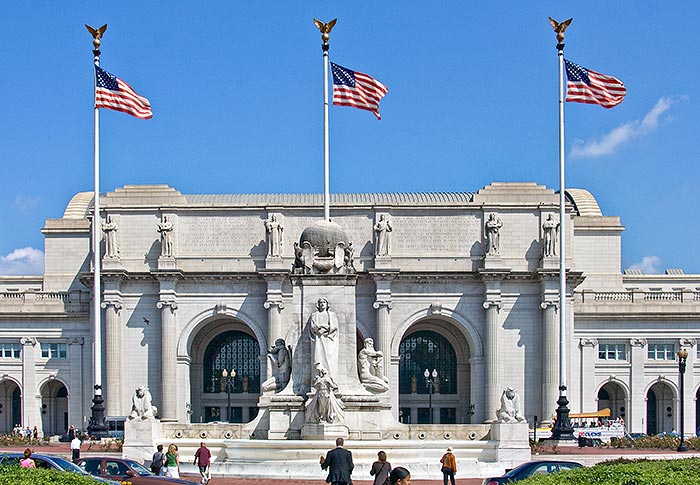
(113, 93)
(586, 86)
(357, 90)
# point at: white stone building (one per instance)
(443, 294)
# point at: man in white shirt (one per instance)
(75, 448)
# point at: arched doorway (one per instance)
(10, 406)
(54, 408)
(225, 398)
(428, 349)
(612, 395)
(660, 409)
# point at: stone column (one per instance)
(112, 389)
(30, 403)
(587, 372)
(382, 341)
(636, 417)
(75, 381)
(550, 360)
(168, 404)
(492, 278)
(492, 385)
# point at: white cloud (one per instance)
(609, 142)
(25, 203)
(23, 261)
(648, 265)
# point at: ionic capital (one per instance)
(547, 304)
(588, 342)
(170, 303)
(270, 303)
(28, 341)
(638, 342)
(116, 304)
(383, 303)
(492, 303)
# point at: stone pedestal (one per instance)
(111, 263)
(493, 261)
(275, 262)
(549, 262)
(166, 263)
(383, 262)
(323, 431)
(512, 442)
(140, 437)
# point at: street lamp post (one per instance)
(430, 384)
(228, 382)
(682, 358)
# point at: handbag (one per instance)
(446, 470)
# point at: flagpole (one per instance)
(562, 429)
(325, 29)
(97, 426)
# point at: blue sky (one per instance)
(236, 90)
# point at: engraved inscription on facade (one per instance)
(419, 235)
(202, 235)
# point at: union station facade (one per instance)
(425, 278)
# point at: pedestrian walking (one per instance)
(75, 448)
(202, 458)
(172, 462)
(449, 467)
(400, 476)
(380, 469)
(339, 463)
(158, 461)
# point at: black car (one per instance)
(50, 462)
(124, 470)
(532, 468)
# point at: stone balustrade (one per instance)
(638, 296)
(32, 301)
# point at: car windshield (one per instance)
(139, 468)
(515, 471)
(68, 466)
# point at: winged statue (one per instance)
(560, 28)
(96, 34)
(325, 28)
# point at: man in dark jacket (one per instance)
(339, 464)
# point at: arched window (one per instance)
(422, 350)
(232, 350)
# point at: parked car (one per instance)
(532, 468)
(51, 462)
(124, 470)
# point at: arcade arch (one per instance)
(54, 407)
(613, 395)
(661, 415)
(434, 344)
(225, 344)
(10, 405)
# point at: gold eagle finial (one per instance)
(560, 28)
(325, 28)
(96, 34)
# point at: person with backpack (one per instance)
(381, 469)
(158, 461)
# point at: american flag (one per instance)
(352, 88)
(586, 86)
(113, 93)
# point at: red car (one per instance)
(125, 471)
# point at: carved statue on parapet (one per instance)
(274, 229)
(165, 228)
(510, 410)
(109, 227)
(280, 356)
(142, 404)
(323, 406)
(382, 229)
(370, 363)
(492, 228)
(550, 233)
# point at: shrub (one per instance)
(13, 475)
(626, 472)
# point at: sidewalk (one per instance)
(588, 456)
